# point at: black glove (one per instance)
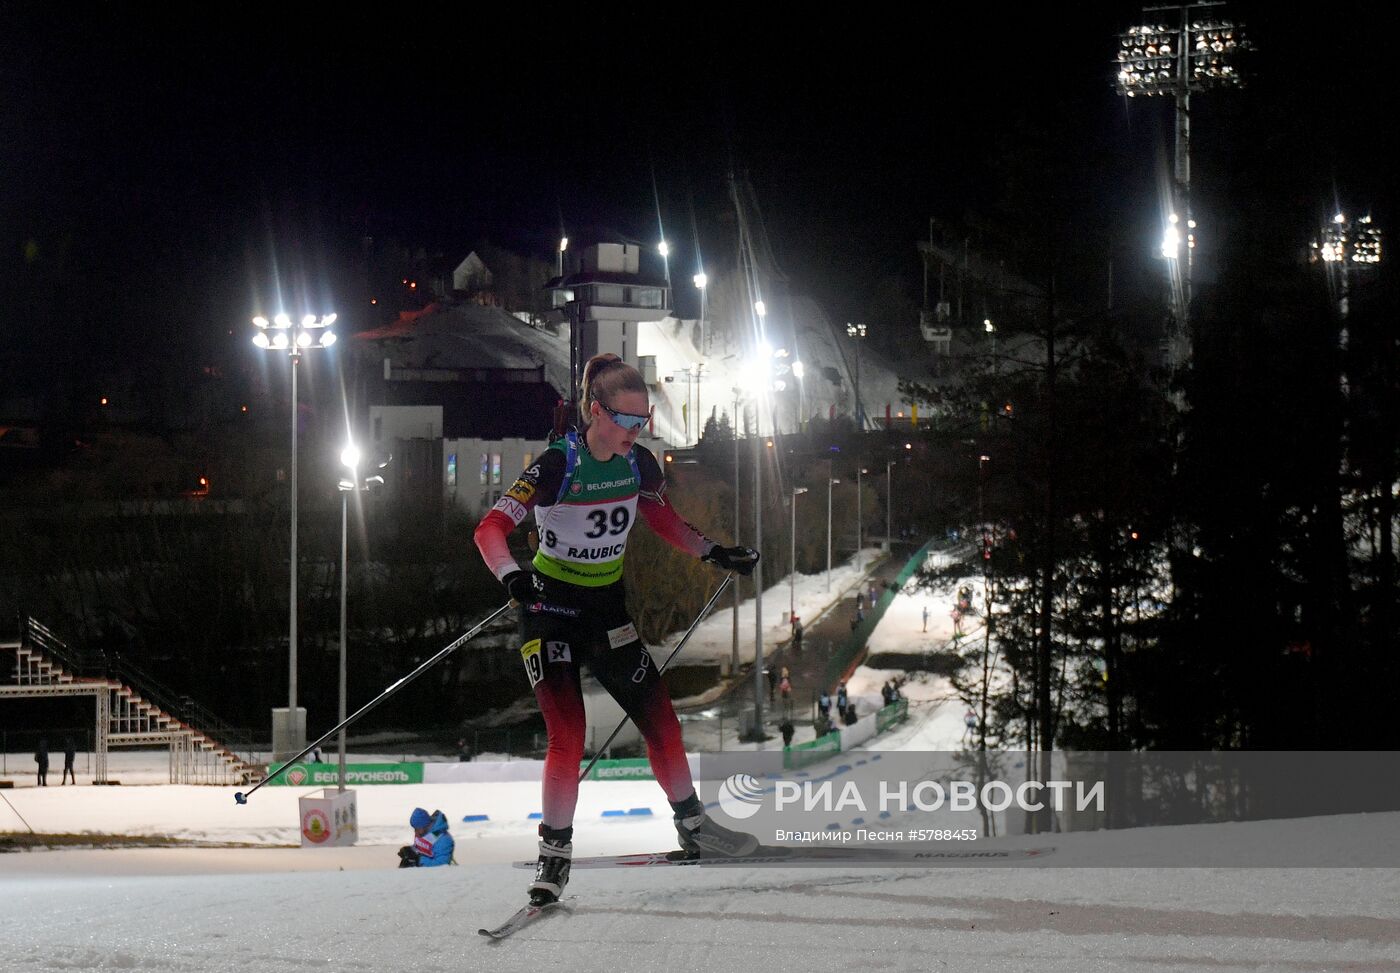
(408, 858)
(524, 588)
(738, 559)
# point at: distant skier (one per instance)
(841, 699)
(41, 757)
(926, 618)
(69, 753)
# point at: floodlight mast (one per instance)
(1159, 59)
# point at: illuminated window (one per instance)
(452, 469)
(485, 468)
(495, 468)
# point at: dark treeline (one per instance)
(1218, 576)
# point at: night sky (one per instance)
(157, 164)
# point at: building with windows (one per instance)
(462, 397)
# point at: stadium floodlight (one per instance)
(1197, 53)
(857, 333)
(1159, 59)
(295, 340)
(1345, 242)
(1171, 238)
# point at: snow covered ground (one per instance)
(281, 909)
(286, 911)
(713, 640)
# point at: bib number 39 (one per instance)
(607, 522)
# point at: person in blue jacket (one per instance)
(432, 845)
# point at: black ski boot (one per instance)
(701, 837)
(552, 871)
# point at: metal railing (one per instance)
(101, 665)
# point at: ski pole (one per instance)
(17, 814)
(242, 798)
(679, 645)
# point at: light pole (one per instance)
(991, 330)
(758, 686)
(860, 536)
(664, 249)
(282, 335)
(699, 370)
(889, 506)
(734, 661)
(798, 371)
(1196, 55)
(350, 459)
(857, 332)
(797, 491)
(563, 245)
(829, 482)
(701, 280)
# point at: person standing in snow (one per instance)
(69, 753)
(586, 491)
(41, 757)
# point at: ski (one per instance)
(522, 918)
(829, 855)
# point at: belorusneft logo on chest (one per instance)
(609, 484)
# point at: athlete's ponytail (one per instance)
(606, 375)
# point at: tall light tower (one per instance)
(857, 333)
(282, 335)
(1346, 248)
(1196, 54)
(831, 481)
(797, 491)
(702, 281)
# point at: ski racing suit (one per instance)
(585, 510)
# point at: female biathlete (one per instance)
(586, 491)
